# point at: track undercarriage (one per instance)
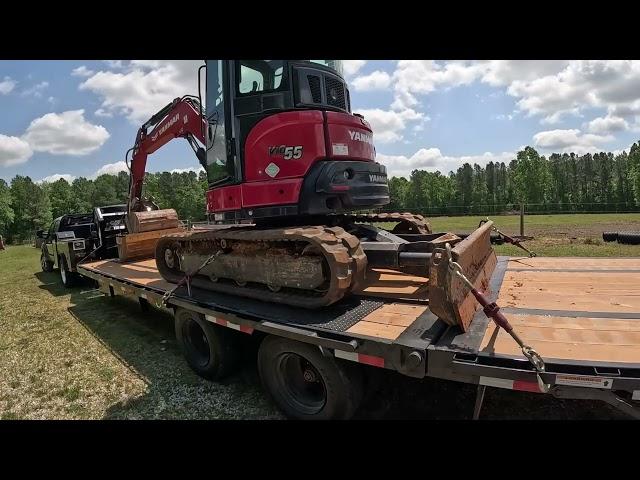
(305, 266)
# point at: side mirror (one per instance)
(40, 233)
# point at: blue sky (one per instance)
(78, 118)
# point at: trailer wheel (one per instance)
(68, 278)
(46, 265)
(210, 350)
(306, 385)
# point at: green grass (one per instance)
(573, 235)
(561, 224)
(77, 354)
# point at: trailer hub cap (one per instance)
(301, 383)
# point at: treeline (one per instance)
(26, 206)
(561, 183)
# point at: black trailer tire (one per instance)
(305, 385)
(47, 266)
(68, 278)
(610, 236)
(210, 350)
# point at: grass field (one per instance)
(555, 235)
(77, 354)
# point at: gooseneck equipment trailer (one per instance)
(581, 315)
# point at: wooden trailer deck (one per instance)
(388, 321)
(585, 309)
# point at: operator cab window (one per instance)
(219, 169)
(257, 76)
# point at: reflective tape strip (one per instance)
(360, 358)
(519, 385)
(226, 323)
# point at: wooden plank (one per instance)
(571, 323)
(394, 284)
(139, 273)
(400, 315)
(379, 330)
(538, 263)
(594, 339)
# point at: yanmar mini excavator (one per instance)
(289, 168)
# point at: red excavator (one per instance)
(289, 167)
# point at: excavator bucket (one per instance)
(449, 298)
(144, 229)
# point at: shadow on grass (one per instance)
(145, 343)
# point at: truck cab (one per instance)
(69, 239)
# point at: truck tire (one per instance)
(210, 350)
(46, 265)
(304, 384)
(68, 278)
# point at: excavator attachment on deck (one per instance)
(449, 299)
(144, 230)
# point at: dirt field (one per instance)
(77, 354)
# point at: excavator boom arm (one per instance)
(181, 118)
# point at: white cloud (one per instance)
(579, 85)
(572, 140)
(82, 71)
(139, 88)
(413, 77)
(57, 176)
(608, 124)
(66, 133)
(351, 67)
(13, 150)
(188, 169)
(7, 85)
(498, 73)
(551, 89)
(103, 113)
(36, 90)
(111, 169)
(388, 125)
(377, 80)
(432, 159)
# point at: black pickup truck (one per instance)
(72, 238)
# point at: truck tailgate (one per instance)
(571, 309)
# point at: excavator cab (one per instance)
(282, 142)
(240, 93)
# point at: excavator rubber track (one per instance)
(407, 222)
(264, 252)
